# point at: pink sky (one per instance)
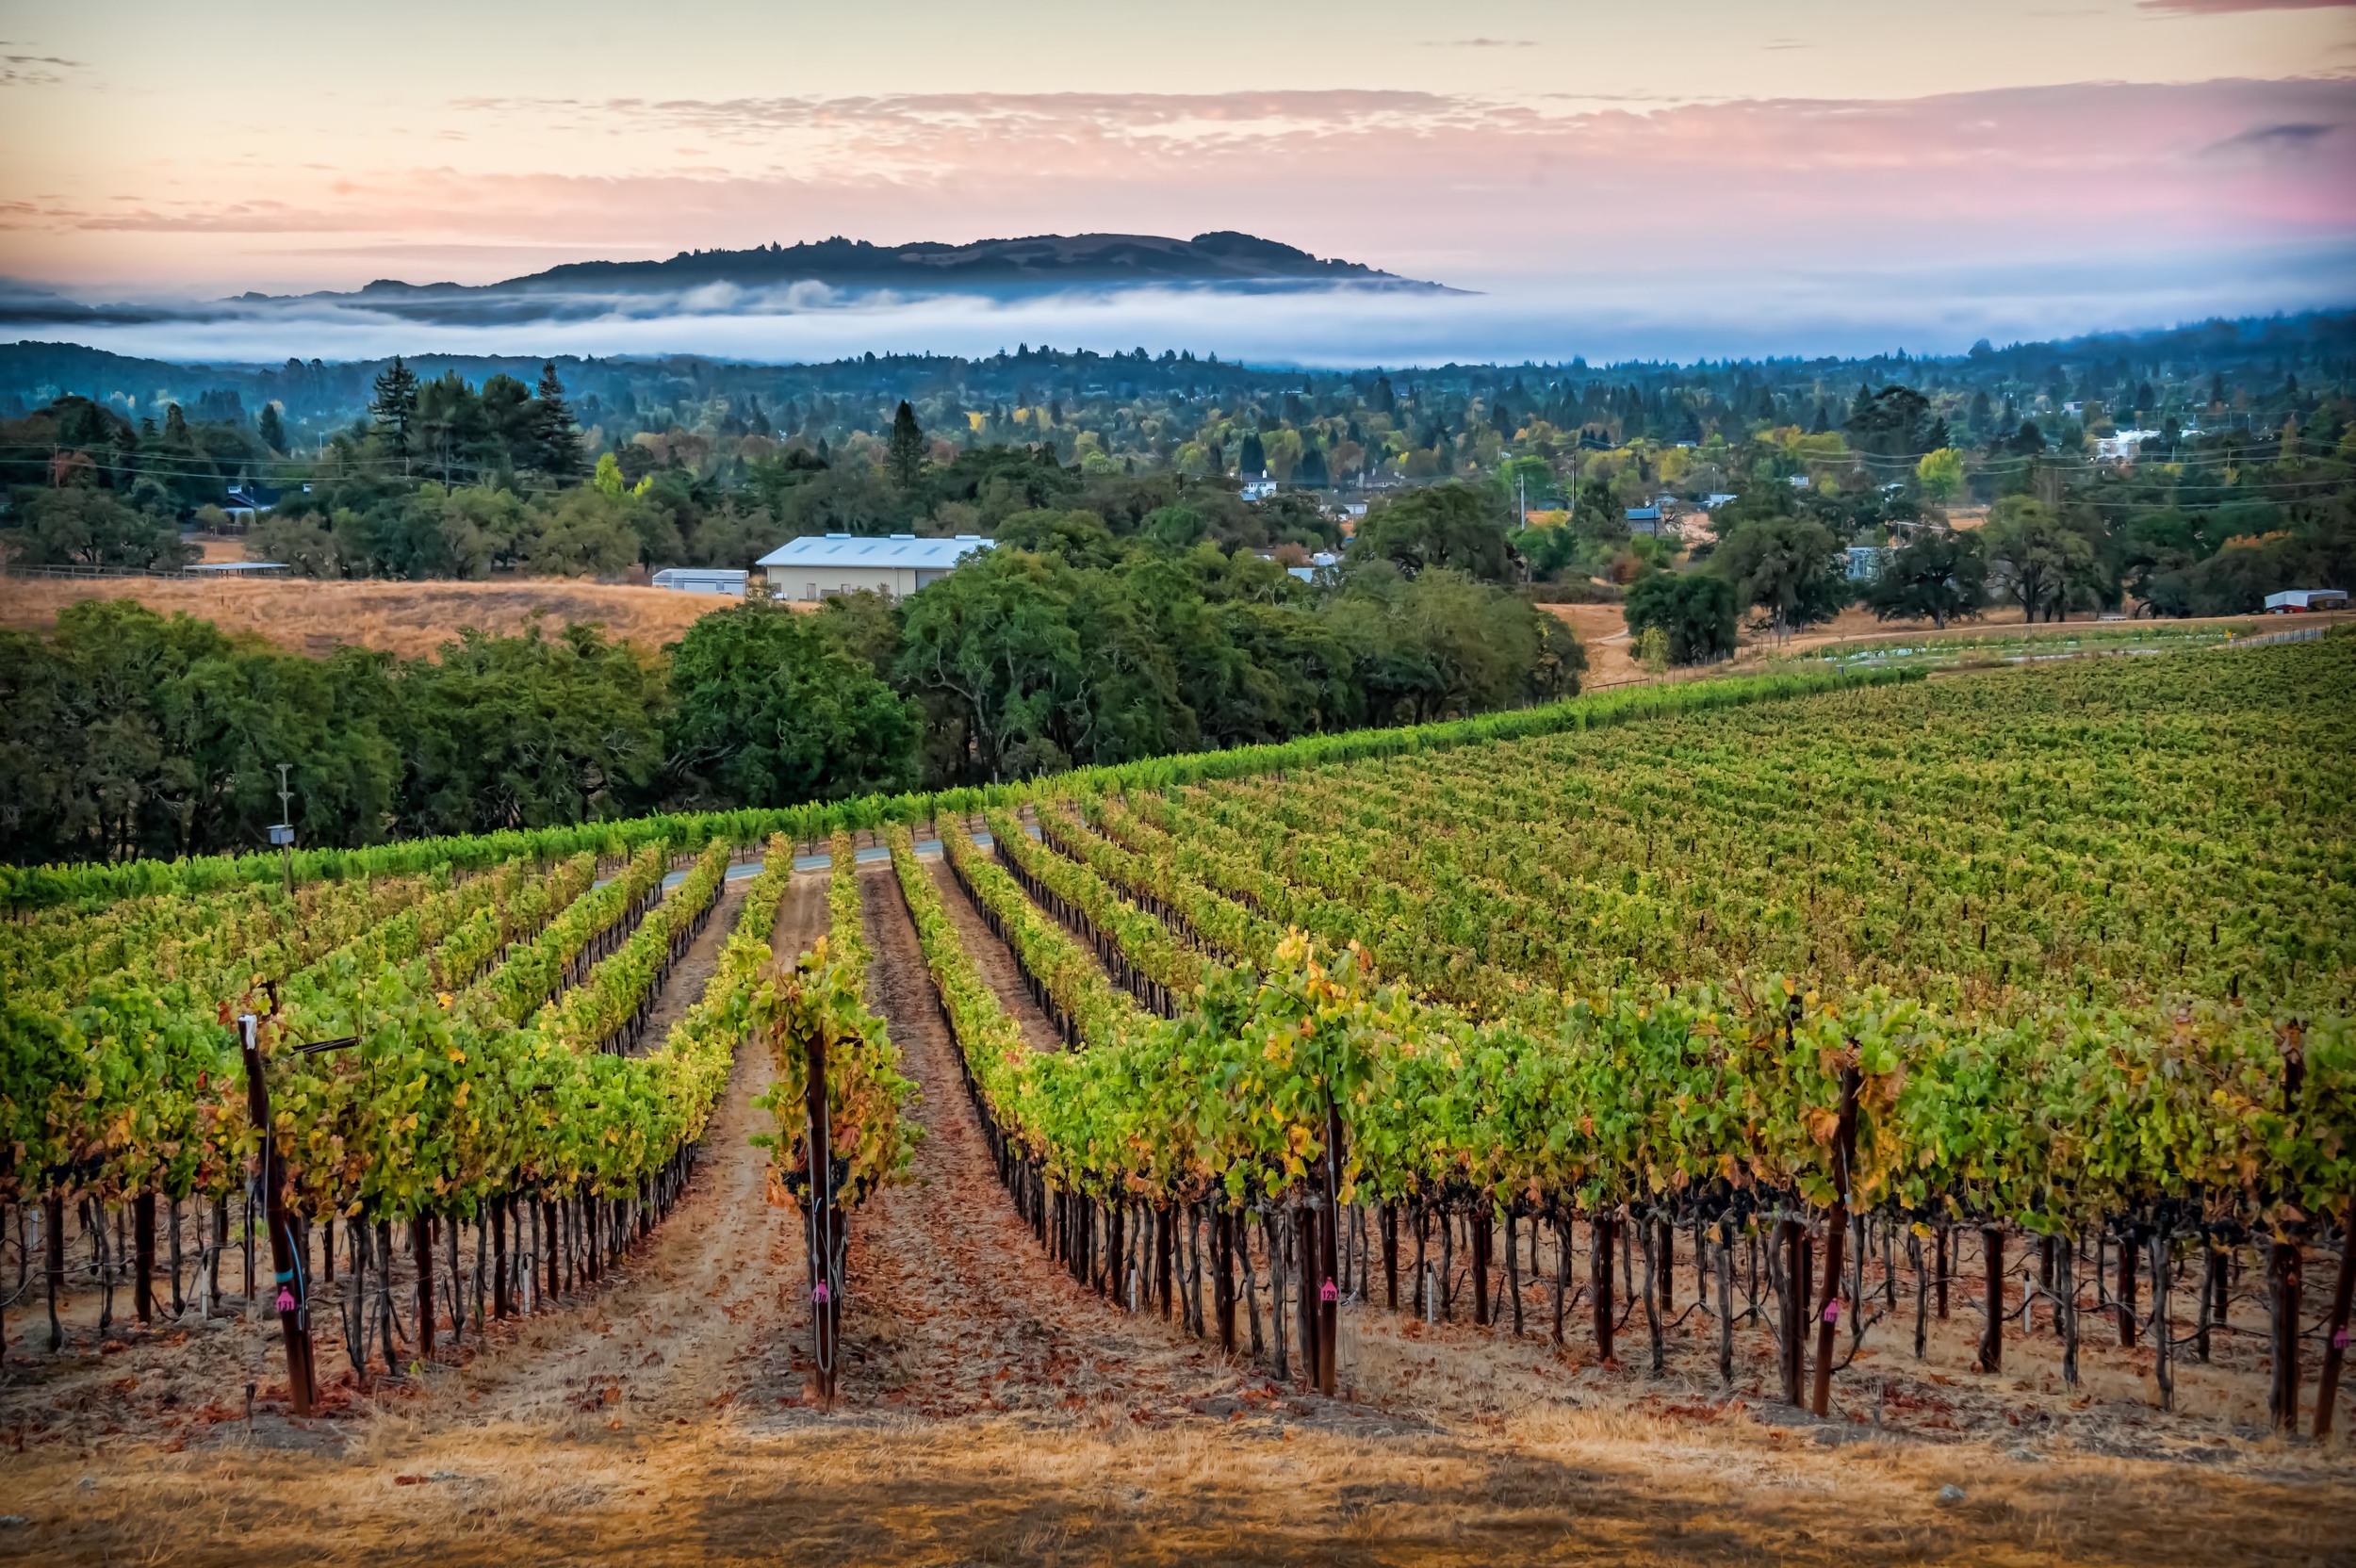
(1945, 147)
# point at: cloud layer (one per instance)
(1968, 213)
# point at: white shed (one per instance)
(810, 568)
(2293, 601)
(701, 579)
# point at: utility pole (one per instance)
(282, 831)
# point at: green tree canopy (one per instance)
(770, 709)
(1937, 575)
(1696, 609)
(1790, 568)
(1454, 526)
(2038, 562)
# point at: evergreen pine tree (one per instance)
(1312, 474)
(1252, 457)
(906, 455)
(175, 425)
(271, 428)
(395, 404)
(555, 439)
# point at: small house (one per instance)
(1865, 562)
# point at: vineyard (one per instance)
(1743, 1034)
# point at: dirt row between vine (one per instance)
(993, 957)
(684, 987)
(954, 1310)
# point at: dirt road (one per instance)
(955, 1311)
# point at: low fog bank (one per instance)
(1674, 312)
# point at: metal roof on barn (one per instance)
(899, 549)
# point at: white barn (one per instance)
(808, 569)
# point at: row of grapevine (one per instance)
(824, 996)
(1753, 1104)
(1141, 954)
(839, 1100)
(586, 930)
(1158, 882)
(1066, 979)
(45, 894)
(608, 1009)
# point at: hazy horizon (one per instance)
(1707, 178)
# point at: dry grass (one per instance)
(407, 618)
(1611, 651)
(1549, 1485)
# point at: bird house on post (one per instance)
(282, 831)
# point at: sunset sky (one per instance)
(2022, 164)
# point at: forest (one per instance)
(1139, 603)
(2123, 467)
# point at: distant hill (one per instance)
(1224, 256)
(1040, 263)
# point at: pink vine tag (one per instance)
(285, 1300)
(1327, 1293)
(820, 1294)
(2339, 1339)
(1832, 1312)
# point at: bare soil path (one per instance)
(693, 971)
(956, 1309)
(690, 1321)
(996, 963)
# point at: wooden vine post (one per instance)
(2282, 1276)
(1836, 1236)
(421, 1247)
(293, 1308)
(1329, 1261)
(2335, 1334)
(823, 1222)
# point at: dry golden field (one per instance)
(407, 618)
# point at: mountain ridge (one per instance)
(1216, 256)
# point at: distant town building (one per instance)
(701, 579)
(2124, 447)
(810, 568)
(1258, 489)
(1865, 562)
